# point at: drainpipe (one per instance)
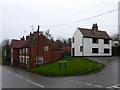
(83, 46)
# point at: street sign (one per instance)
(62, 62)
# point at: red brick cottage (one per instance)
(33, 51)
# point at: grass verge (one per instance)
(74, 66)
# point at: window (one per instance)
(45, 48)
(106, 41)
(106, 50)
(11, 50)
(94, 50)
(39, 60)
(26, 50)
(94, 40)
(81, 48)
(26, 59)
(20, 51)
(23, 50)
(20, 58)
(73, 40)
(23, 59)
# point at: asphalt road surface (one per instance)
(18, 78)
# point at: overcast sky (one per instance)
(17, 16)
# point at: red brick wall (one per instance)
(15, 57)
(56, 54)
(48, 56)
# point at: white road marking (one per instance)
(88, 84)
(80, 82)
(115, 86)
(35, 83)
(18, 75)
(98, 86)
(9, 72)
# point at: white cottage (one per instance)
(91, 42)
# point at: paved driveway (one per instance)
(104, 60)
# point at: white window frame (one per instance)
(26, 50)
(45, 48)
(23, 50)
(26, 60)
(20, 58)
(23, 59)
(41, 59)
(20, 51)
(12, 50)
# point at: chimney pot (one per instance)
(95, 27)
(27, 37)
(30, 33)
(23, 38)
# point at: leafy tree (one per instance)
(65, 45)
(6, 52)
(69, 41)
(59, 43)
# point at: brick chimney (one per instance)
(95, 27)
(27, 37)
(23, 38)
(30, 33)
(35, 32)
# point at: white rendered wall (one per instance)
(77, 42)
(88, 45)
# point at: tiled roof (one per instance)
(92, 34)
(16, 43)
(30, 41)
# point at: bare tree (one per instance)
(48, 35)
(115, 37)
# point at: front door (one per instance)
(73, 51)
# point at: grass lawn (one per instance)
(75, 66)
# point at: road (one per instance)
(0, 77)
(18, 78)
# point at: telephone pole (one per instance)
(37, 45)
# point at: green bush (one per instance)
(116, 51)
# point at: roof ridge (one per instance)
(90, 33)
(15, 40)
(90, 29)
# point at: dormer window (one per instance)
(95, 40)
